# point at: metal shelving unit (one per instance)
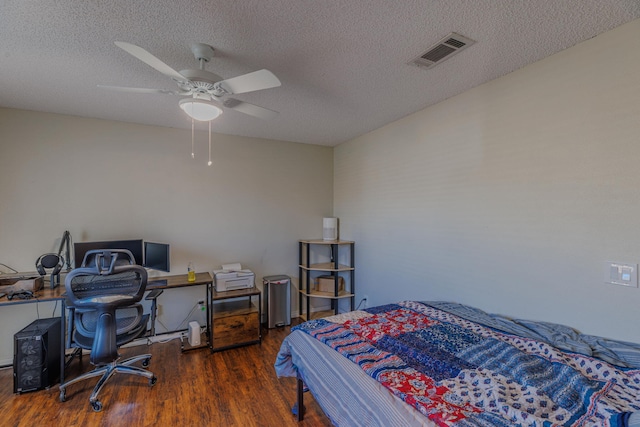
(308, 271)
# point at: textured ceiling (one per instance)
(343, 64)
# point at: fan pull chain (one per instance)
(193, 154)
(209, 163)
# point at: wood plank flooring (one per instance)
(236, 387)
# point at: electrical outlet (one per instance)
(159, 310)
(365, 299)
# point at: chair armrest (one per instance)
(154, 294)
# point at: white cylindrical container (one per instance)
(330, 229)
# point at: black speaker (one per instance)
(36, 356)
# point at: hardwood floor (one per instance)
(236, 387)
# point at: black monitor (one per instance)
(81, 248)
(156, 256)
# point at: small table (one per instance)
(157, 284)
(153, 284)
(235, 320)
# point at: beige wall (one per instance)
(511, 196)
(105, 180)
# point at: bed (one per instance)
(448, 364)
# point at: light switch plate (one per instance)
(617, 273)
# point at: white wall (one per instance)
(104, 180)
(509, 197)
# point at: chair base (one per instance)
(105, 372)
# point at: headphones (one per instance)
(54, 261)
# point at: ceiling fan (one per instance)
(205, 89)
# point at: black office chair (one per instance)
(103, 296)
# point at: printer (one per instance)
(232, 277)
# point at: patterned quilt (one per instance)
(460, 373)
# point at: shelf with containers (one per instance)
(326, 271)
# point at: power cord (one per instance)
(195, 308)
(362, 301)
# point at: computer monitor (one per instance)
(156, 256)
(81, 248)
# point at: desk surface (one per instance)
(58, 293)
(178, 281)
(45, 294)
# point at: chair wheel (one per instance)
(97, 406)
(146, 362)
(153, 381)
(63, 396)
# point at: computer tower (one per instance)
(36, 356)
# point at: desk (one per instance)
(172, 282)
(180, 281)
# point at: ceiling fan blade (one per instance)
(138, 90)
(151, 60)
(257, 80)
(250, 109)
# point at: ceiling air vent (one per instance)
(445, 48)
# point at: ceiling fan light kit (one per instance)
(200, 109)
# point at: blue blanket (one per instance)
(461, 373)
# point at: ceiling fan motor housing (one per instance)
(201, 80)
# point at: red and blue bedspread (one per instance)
(460, 373)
